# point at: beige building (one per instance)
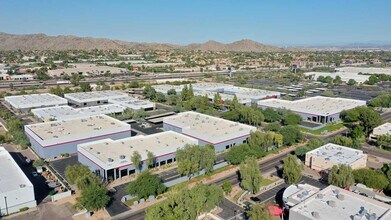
(384, 129)
(328, 155)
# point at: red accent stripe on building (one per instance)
(89, 159)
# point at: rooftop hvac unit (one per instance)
(110, 159)
(315, 215)
(341, 197)
(122, 157)
(319, 196)
(331, 203)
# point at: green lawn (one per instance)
(327, 127)
(266, 182)
(130, 201)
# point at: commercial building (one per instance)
(326, 156)
(164, 88)
(250, 93)
(384, 129)
(133, 103)
(224, 97)
(211, 87)
(222, 134)
(16, 190)
(294, 194)
(364, 70)
(51, 139)
(58, 113)
(345, 76)
(338, 204)
(111, 159)
(83, 99)
(24, 103)
(317, 109)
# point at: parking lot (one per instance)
(60, 165)
(147, 128)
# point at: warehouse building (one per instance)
(24, 103)
(250, 93)
(16, 190)
(326, 156)
(316, 109)
(83, 99)
(111, 159)
(164, 88)
(338, 204)
(345, 76)
(384, 129)
(52, 139)
(222, 134)
(133, 103)
(67, 112)
(211, 87)
(224, 97)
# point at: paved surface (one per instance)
(40, 189)
(151, 130)
(60, 165)
(48, 211)
(230, 210)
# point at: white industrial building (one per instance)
(164, 88)
(24, 103)
(133, 103)
(338, 204)
(52, 139)
(83, 99)
(317, 109)
(364, 70)
(384, 129)
(222, 134)
(16, 190)
(345, 76)
(326, 156)
(253, 94)
(111, 159)
(294, 194)
(64, 112)
(224, 97)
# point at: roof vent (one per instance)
(122, 157)
(341, 197)
(331, 203)
(319, 196)
(315, 215)
(110, 159)
(22, 185)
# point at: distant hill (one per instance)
(45, 42)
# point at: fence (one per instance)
(59, 196)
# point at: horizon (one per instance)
(302, 23)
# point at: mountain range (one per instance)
(61, 42)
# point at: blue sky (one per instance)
(277, 22)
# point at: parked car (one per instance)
(39, 169)
(35, 174)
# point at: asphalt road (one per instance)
(265, 166)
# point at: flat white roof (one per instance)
(109, 153)
(317, 105)
(132, 103)
(214, 87)
(254, 94)
(365, 70)
(94, 96)
(68, 112)
(383, 129)
(75, 127)
(337, 154)
(35, 101)
(224, 97)
(208, 128)
(345, 76)
(165, 87)
(295, 194)
(12, 177)
(339, 204)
